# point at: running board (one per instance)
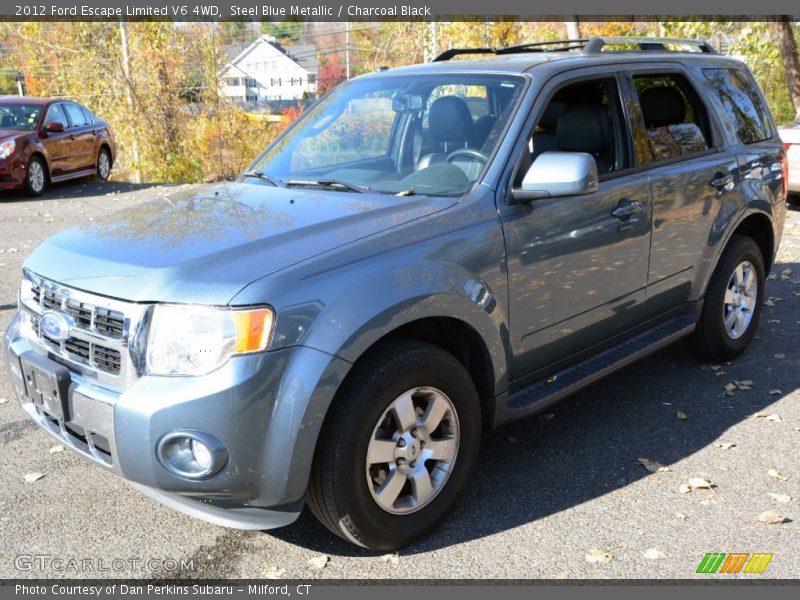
(547, 392)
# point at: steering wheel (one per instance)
(470, 152)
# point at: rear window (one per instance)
(743, 104)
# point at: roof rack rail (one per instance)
(586, 45)
(647, 44)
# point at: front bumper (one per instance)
(266, 409)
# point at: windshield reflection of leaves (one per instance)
(170, 222)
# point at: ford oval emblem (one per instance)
(56, 325)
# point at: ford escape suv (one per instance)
(428, 251)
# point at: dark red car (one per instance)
(47, 140)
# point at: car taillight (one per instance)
(785, 171)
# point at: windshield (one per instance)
(430, 135)
(20, 117)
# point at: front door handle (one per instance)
(626, 209)
(721, 181)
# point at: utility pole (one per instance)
(126, 71)
(347, 50)
(573, 29)
(20, 82)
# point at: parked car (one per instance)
(790, 134)
(428, 251)
(46, 140)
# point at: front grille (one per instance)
(97, 338)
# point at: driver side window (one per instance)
(585, 116)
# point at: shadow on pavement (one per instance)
(75, 189)
(535, 468)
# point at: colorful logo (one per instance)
(736, 562)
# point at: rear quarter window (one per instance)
(743, 104)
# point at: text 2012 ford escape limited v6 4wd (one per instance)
(428, 251)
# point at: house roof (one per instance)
(304, 55)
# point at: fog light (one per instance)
(191, 454)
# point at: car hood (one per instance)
(11, 134)
(205, 245)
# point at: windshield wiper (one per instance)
(334, 184)
(263, 176)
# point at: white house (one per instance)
(265, 71)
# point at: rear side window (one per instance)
(87, 115)
(75, 115)
(675, 120)
(743, 104)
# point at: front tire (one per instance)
(733, 302)
(35, 176)
(398, 448)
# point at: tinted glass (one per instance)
(75, 115)
(675, 120)
(743, 104)
(87, 115)
(55, 114)
(19, 117)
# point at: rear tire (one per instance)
(35, 176)
(398, 448)
(103, 164)
(733, 302)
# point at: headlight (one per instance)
(7, 148)
(194, 340)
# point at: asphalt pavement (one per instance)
(563, 495)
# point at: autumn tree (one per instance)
(791, 59)
(330, 74)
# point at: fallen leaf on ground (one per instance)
(31, 477)
(654, 554)
(391, 559)
(777, 475)
(796, 428)
(779, 498)
(318, 562)
(273, 572)
(774, 418)
(698, 483)
(512, 439)
(779, 356)
(546, 416)
(758, 415)
(725, 445)
(729, 387)
(684, 489)
(772, 518)
(652, 465)
(680, 414)
(57, 448)
(3, 400)
(599, 556)
(680, 515)
(775, 392)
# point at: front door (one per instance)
(58, 143)
(577, 265)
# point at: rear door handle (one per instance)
(626, 209)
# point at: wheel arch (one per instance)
(758, 227)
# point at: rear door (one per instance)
(693, 176)
(576, 270)
(81, 135)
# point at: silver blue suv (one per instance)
(427, 252)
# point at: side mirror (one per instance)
(555, 174)
(54, 127)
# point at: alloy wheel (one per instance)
(741, 296)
